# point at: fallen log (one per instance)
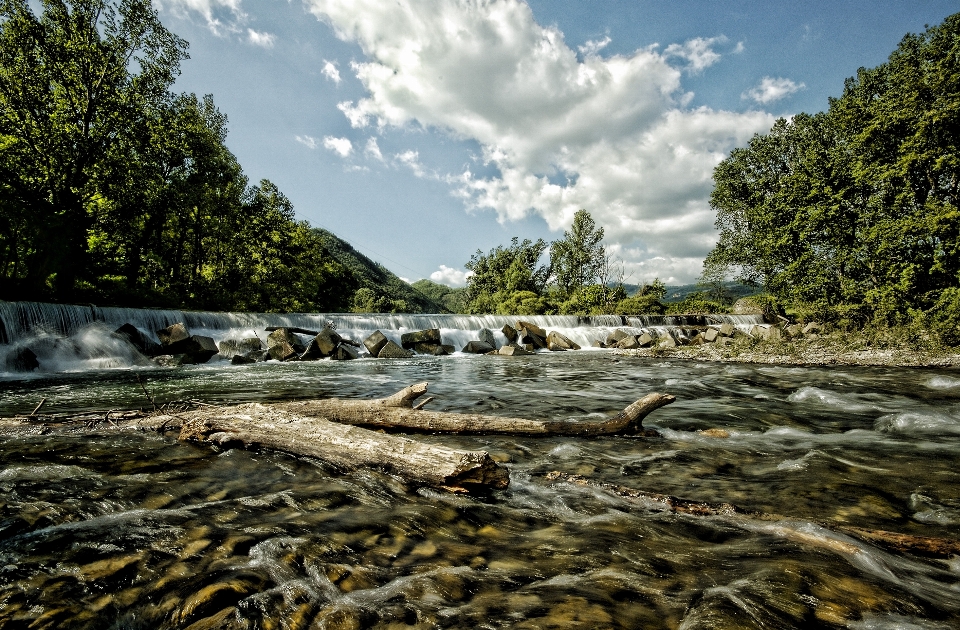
(294, 329)
(399, 412)
(344, 446)
(920, 545)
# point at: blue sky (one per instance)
(423, 131)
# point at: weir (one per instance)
(62, 334)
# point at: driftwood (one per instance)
(399, 412)
(919, 545)
(345, 446)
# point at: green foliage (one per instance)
(578, 259)
(366, 300)
(116, 190)
(505, 271)
(452, 300)
(594, 299)
(852, 214)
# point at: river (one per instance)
(128, 530)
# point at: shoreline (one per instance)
(803, 353)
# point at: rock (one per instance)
(345, 352)
(448, 348)
(138, 340)
(811, 327)
(725, 341)
(285, 336)
(429, 348)
(556, 340)
(375, 342)
(430, 335)
(793, 330)
(628, 343)
(531, 338)
(487, 337)
(726, 330)
(240, 359)
(478, 347)
(283, 351)
(173, 333)
(391, 350)
(170, 360)
(509, 332)
(645, 340)
(512, 351)
(230, 348)
(773, 334)
(598, 344)
(198, 348)
(758, 331)
(533, 328)
(328, 340)
(668, 342)
(711, 335)
(616, 336)
(22, 360)
(746, 306)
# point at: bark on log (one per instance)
(399, 412)
(918, 545)
(346, 446)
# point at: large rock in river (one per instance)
(391, 350)
(375, 343)
(430, 335)
(172, 334)
(557, 341)
(486, 336)
(285, 336)
(195, 349)
(138, 340)
(477, 347)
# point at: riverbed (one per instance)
(133, 530)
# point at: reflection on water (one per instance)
(138, 531)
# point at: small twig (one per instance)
(106, 418)
(422, 403)
(37, 408)
(145, 393)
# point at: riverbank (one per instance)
(835, 349)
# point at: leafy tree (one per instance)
(578, 258)
(506, 270)
(76, 83)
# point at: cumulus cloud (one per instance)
(264, 40)
(221, 16)
(617, 130)
(307, 141)
(411, 159)
(330, 71)
(341, 146)
(592, 47)
(770, 90)
(450, 276)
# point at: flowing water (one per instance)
(131, 530)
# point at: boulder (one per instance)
(22, 360)
(230, 348)
(811, 327)
(710, 335)
(486, 336)
(533, 328)
(477, 347)
(429, 348)
(598, 344)
(138, 340)
(170, 360)
(328, 340)
(391, 350)
(283, 351)
(727, 330)
(528, 337)
(198, 349)
(172, 334)
(509, 332)
(285, 336)
(448, 348)
(725, 341)
(345, 352)
(375, 342)
(616, 336)
(668, 342)
(645, 340)
(512, 351)
(430, 335)
(628, 343)
(774, 333)
(558, 341)
(239, 359)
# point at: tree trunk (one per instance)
(399, 412)
(346, 446)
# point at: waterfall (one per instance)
(77, 337)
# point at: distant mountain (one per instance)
(376, 277)
(677, 293)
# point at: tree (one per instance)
(578, 259)
(75, 83)
(504, 271)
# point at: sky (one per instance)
(423, 131)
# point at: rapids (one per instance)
(126, 530)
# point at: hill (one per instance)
(388, 289)
(677, 293)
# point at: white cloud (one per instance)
(330, 71)
(450, 276)
(307, 141)
(341, 146)
(593, 47)
(221, 16)
(770, 90)
(616, 131)
(373, 149)
(697, 52)
(264, 40)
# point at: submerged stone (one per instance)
(477, 347)
(391, 350)
(375, 342)
(172, 334)
(486, 336)
(430, 335)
